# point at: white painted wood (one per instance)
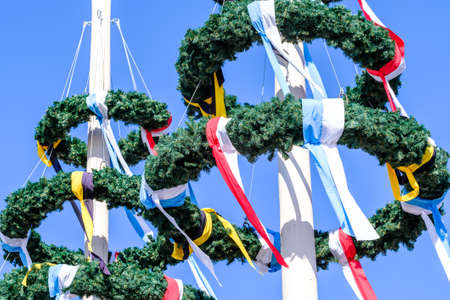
(99, 81)
(299, 281)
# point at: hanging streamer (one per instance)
(262, 14)
(214, 106)
(393, 68)
(17, 245)
(323, 124)
(96, 103)
(265, 260)
(427, 158)
(342, 247)
(226, 160)
(436, 229)
(148, 196)
(174, 290)
(201, 280)
(60, 277)
(83, 187)
(148, 135)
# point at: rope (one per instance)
(4, 262)
(34, 169)
(69, 78)
(264, 77)
(341, 90)
(189, 103)
(125, 48)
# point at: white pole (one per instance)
(99, 81)
(299, 281)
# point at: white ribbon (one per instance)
(64, 278)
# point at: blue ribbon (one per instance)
(147, 200)
(432, 205)
(53, 281)
(314, 73)
(255, 15)
(274, 266)
(131, 214)
(22, 255)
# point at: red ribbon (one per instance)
(149, 134)
(394, 64)
(227, 174)
(172, 290)
(363, 284)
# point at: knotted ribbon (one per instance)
(206, 229)
(60, 277)
(17, 245)
(214, 106)
(147, 196)
(323, 124)
(262, 14)
(174, 290)
(41, 151)
(394, 67)
(436, 229)
(83, 188)
(34, 267)
(96, 103)
(226, 160)
(148, 135)
(409, 170)
(342, 247)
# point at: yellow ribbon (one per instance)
(408, 170)
(41, 152)
(178, 252)
(35, 267)
(77, 189)
(219, 96)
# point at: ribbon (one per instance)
(35, 267)
(262, 14)
(201, 280)
(147, 192)
(214, 106)
(409, 170)
(265, 260)
(226, 160)
(323, 124)
(342, 247)
(60, 277)
(436, 229)
(96, 103)
(83, 188)
(147, 136)
(170, 197)
(174, 290)
(393, 68)
(41, 152)
(17, 245)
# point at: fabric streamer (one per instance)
(262, 14)
(342, 247)
(201, 280)
(148, 135)
(96, 103)
(41, 151)
(265, 260)
(323, 124)
(409, 170)
(17, 245)
(60, 277)
(393, 68)
(174, 290)
(214, 106)
(226, 160)
(147, 195)
(35, 267)
(436, 229)
(83, 188)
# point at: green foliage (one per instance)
(183, 155)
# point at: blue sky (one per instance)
(38, 43)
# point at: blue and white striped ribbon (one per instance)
(17, 245)
(96, 104)
(60, 277)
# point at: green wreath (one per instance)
(183, 155)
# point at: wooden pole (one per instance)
(299, 281)
(99, 81)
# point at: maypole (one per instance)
(294, 187)
(99, 82)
